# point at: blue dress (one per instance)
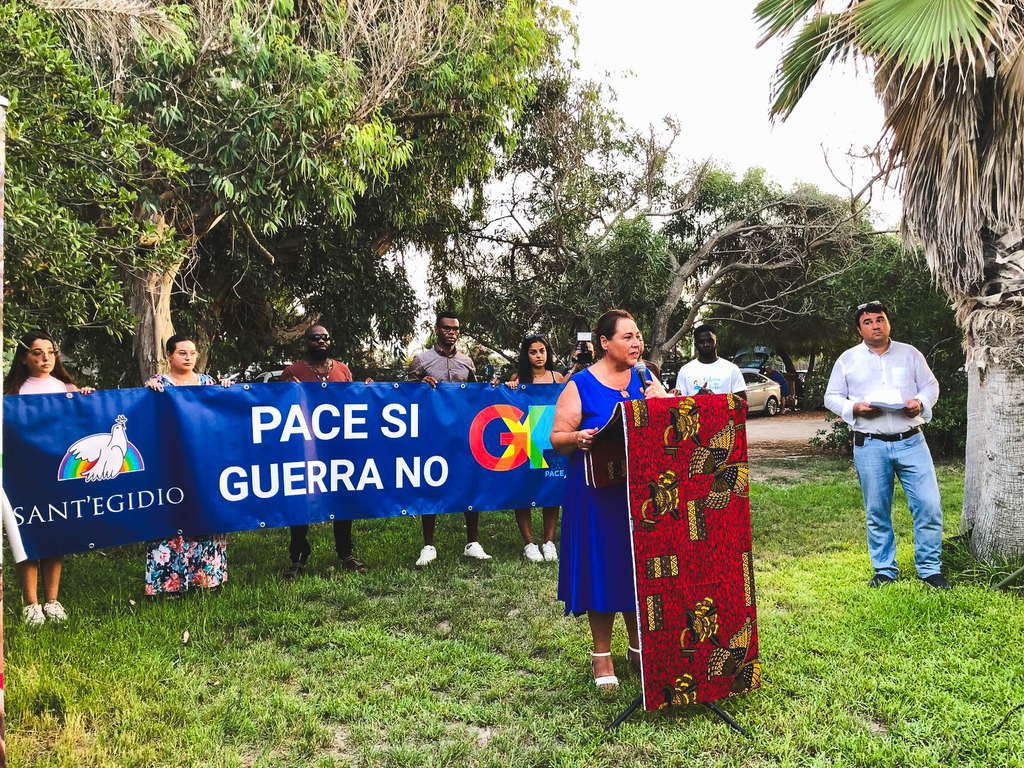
(595, 570)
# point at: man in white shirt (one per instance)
(709, 374)
(885, 391)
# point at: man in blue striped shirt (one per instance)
(885, 391)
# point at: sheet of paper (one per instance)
(887, 399)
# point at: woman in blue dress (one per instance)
(596, 571)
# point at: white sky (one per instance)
(698, 62)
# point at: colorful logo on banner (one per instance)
(524, 439)
(102, 456)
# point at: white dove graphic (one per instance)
(106, 449)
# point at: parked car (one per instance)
(267, 376)
(763, 394)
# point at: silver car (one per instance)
(763, 394)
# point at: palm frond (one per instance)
(779, 17)
(942, 184)
(824, 37)
(1003, 170)
(921, 33)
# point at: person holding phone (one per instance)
(582, 355)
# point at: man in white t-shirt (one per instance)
(709, 374)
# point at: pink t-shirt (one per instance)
(42, 385)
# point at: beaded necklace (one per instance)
(321, 375)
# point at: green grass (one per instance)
(473, 664)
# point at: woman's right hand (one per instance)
(585, 439)
(154, 383)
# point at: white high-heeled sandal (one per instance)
(604, 679)
(634, 662)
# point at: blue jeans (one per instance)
(876, 462)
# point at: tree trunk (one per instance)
(150, 299)
(994, 478)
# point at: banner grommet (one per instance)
(263, 525)
(91, 545)
(323, 385)
(405, 512)
(245, 387)
(332, 517)
(469, 508)
(67, 395)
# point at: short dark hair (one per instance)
(445, 316)
(705, 328)
(175, 340)
(869, 308)
(605, 326)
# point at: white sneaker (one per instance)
(473, 549)
(427, 555)
(532, 553)
(550, 551)
(55, 611)
(33, 615)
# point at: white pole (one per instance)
(3, 165)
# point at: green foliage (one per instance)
(310, 161)
(947, 431)
(76, 166)
(316, 141)
(836, 438)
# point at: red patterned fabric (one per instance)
(688, 482)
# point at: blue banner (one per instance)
(114, 467)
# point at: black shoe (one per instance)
(937, 581)
(351, 564)
(293, 571)
(881, 580)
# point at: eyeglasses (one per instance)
(44, 352)
(449, 328)
(318, 337)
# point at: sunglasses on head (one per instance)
(319, 337)
(533, 337)
(870, 304)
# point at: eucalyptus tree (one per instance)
(76, 164)
(289, 120)
(949, 77)
(345, 114)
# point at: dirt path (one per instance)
(782, 436)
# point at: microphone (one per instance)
(641, 370)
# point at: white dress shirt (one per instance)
(860, 373)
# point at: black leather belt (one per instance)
(859, 437)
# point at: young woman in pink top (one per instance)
(38, 370)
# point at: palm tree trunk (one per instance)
(993, 511)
